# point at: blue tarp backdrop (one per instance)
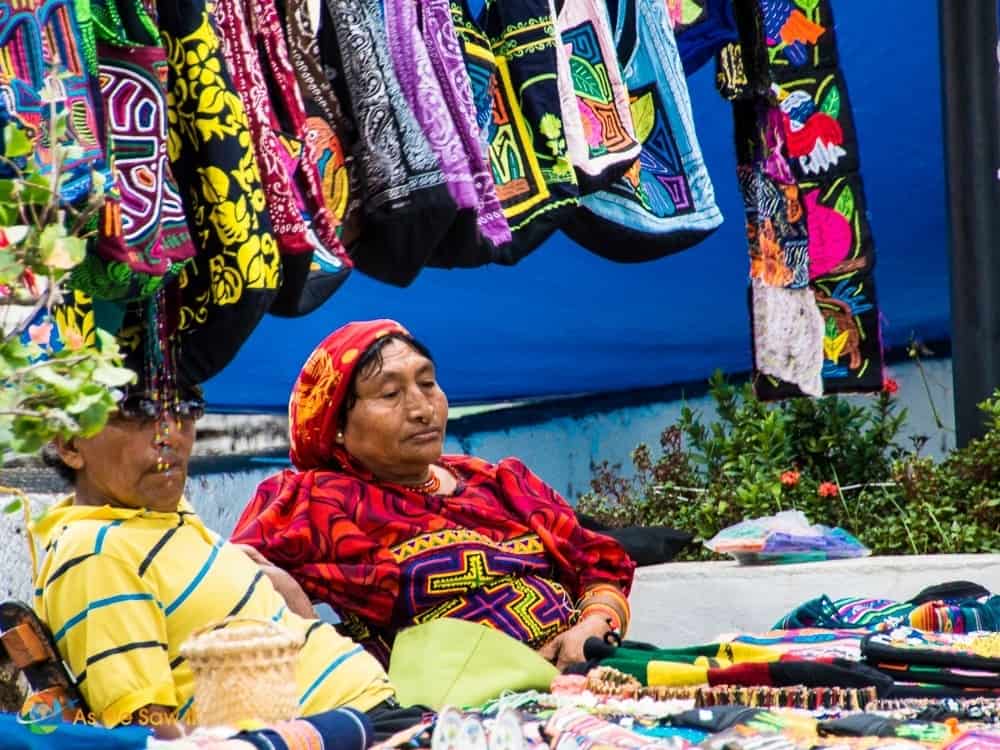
(565, 321)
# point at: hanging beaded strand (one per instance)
(161, 374)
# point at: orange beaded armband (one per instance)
(609, 600)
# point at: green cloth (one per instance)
(449, 662)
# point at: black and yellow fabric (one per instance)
(531, 166)
(233, 280)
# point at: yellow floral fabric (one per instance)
(234, 278)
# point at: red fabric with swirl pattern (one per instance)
(372, 551)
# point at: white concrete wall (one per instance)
(680, 604)
(15, 558)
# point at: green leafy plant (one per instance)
(838, 462)
(46, 393)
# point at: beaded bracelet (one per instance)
(609, 599)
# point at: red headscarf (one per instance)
(321, 388)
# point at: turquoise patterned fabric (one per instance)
(666, 202)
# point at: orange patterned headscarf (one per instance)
(321, 388)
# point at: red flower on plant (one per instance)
(890, 386)
(790, 478)
(828, 489)
(31, 282)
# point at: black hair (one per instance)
(52, 459)
(370, 363)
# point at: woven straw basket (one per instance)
(243, 673)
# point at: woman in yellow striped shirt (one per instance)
(131, 571)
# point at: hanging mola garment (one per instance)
(665, 203)
(810, 240)
(328, 131)
(47, 95)
(480, 66)
(528, 153)
(422, 92)
(407, 207)
(232, 281)
(445, 53)
(591, 84)
(702, 28)
(143, 239)
(254, 47)
(307, 281)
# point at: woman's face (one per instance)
(396, 428)
(122, 465)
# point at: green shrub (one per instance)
(839, 463)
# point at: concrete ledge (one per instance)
(681, 604)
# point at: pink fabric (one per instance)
(600, 133)
(829, 236)
(287, 199)
(267, 27)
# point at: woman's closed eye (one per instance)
(388, 395)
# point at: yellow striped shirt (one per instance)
(122, 589)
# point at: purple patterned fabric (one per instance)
(446, 57)
(423, 94)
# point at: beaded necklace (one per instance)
(433, 484)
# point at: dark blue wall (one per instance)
(565, 321)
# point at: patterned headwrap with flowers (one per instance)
(321, 388)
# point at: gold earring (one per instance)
(340, 437)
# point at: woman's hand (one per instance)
(290, 590)
(567, 647)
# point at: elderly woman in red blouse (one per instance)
(376, 522)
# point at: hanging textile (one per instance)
(480, 66)
(528, 153)
(327, 128)
(445, 53)
(143, 239)
(232, 281)
(307, 280)
(665, 202)
(407, 207)
(139, 239)
(423, 93)
(702, 28)
(47, 95)
(314, 263)
(602, 144)
(812, 296)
